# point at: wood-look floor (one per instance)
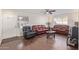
(37, 43)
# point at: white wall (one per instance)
(38, 19)
(72, 18)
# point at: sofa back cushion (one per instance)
(34, 28)
(38, 27)
(27, 28)
(61, 27)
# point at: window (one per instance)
(61, 20)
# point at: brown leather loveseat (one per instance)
(61, 29)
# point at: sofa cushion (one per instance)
(29, 33)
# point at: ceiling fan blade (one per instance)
(53, 10)
(50, 11)
(47, 10)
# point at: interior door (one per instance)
(9, 26)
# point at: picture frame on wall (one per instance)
(23, 18)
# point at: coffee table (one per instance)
(50, 33)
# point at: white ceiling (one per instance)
(41, 11)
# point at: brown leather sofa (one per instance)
(39, 29)
(61, 29)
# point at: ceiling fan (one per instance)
(50, 11)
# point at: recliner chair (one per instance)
(27, 32)
(72, 39)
